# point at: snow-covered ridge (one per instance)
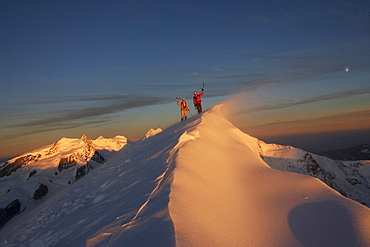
(224, 193)
(201, 182)
(152, 132)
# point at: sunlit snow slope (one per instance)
(54, 166)
(201, 182)
(224, 194)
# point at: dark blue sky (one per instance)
(69, 68)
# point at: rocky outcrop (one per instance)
(41, 191)
(31, 174)
(73, 160)
(67, 162)
(9, 168)
(97, 157)
(82, 171)
(7, 213)
(309, 164)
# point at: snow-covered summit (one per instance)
(111, 144)
(152, 132)
(201, 182)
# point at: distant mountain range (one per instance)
(361, 152)
(47, 170)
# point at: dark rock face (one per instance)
(310, 164)
(40, 192)
(97, 157)
(9, 168)
(82, 171)
(67, 162)
(72, 160)
(31, 174)
(11, 210)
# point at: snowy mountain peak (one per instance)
(84, 137)
(111, 144)
(86, 140)
(152, 132)
(54, 147)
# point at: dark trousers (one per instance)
(198, 106)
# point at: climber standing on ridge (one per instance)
(197, 100)
(184, 108)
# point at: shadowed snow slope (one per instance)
(201, 182)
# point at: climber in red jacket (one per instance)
(197, 100)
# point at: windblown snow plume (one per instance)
(201, 182)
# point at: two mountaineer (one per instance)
(184, 108)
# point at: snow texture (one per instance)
(201, 182)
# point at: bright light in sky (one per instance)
(69, 68)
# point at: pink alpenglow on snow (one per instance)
(224, 194)
(202, 182)
(152, 132)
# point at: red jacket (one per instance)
(196, 98)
